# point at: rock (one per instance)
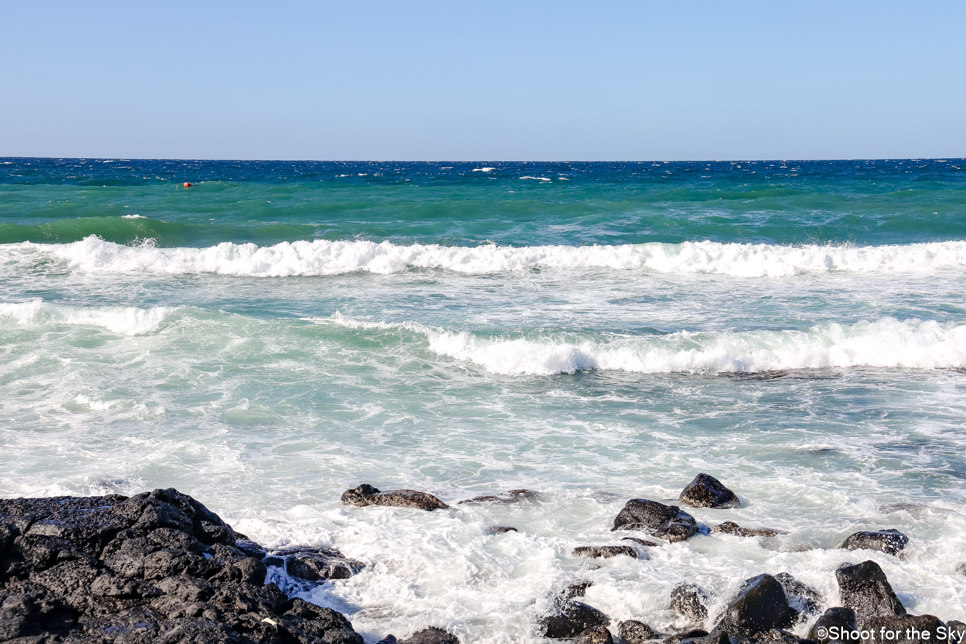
(641, 542)
(717, 637)
(576, 590)
(512, 496)
(708, 492)
(635, 632)
(760, 606)
(572, 619)
(659, 520)
(688, 601)
(956, 631)
(388, 639)
(890, 541)
(801, 597)
(910, 629)
(365, 494)
(431, 635)
(500, 529)
(686, 636)
(314, 564)
(865, 589)
(595, 635)
(840, 618)
(605, 552)
(155, 567)
(730, 527)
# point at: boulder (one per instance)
(760, 606)
(802, 597)
(889, 541)
(635, 632)
(154, 567)
(578, 589)
(730, 527)
(314, 564)
(865, 589)
(708, 492)
(659, 520)
(717, 637)
(606, 552)
(686, 636)
(572, 619)
(512, 496)
(431, 635)
(647, 543)
(910, 629)
(687, 600)
(838, 618)
(595, 635)
(365, 494)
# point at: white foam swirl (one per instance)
(321, 257)
(884, 343)
(126, 320)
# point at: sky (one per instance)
(494, 80)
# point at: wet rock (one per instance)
(910, 629)
(314, 564)
(760, 606)
(659, 520)
(572, 619)
(839, 617)
(686, 636)
(641, 542)
(717, 637)
(576, 590)
(802, 597)
(512, 496)
(431, 635)
(155, 567)
(708, 492)
(730, 527)
(890, 541)
(605, 552)
(635, 632)
(366, 494)
(865, 589)
(500, 529)
(689, 601)
(595, 635)
(388, 639)
(250, 548)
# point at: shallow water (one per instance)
(279, 333)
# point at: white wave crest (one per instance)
(321, 257)
(126, 320)
(885, 343)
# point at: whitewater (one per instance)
(282, 332)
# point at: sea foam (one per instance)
(125, 320)
(884, 343)
(322, 257)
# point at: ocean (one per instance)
(283, 331)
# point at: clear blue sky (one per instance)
(454, 80)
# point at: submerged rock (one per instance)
(365, 494)
(890, 541)
(157, 566)
(314, 564)
(730, 527)
(801, 597)
(605, 552)
(687, 600)
(865, 589)
(760, 606)
(512, 496)
(572, 619)
(664, 521)
(500, 529)
(708, 492)
(839, 617)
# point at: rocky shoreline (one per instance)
(161, 567)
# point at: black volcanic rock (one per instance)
(366, 494)
(730, 527)
(890, 541)
(431, 635)
(708, 492)
(155, 567)
(689, 601)
(659, 520)
(865, 589)
(839, 617)
(503, 498)
(635, 632)
(760, 606)
(572, 619)
(605, 552)
(314, 564)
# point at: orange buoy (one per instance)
(187, 185)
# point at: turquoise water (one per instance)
(280, 332)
